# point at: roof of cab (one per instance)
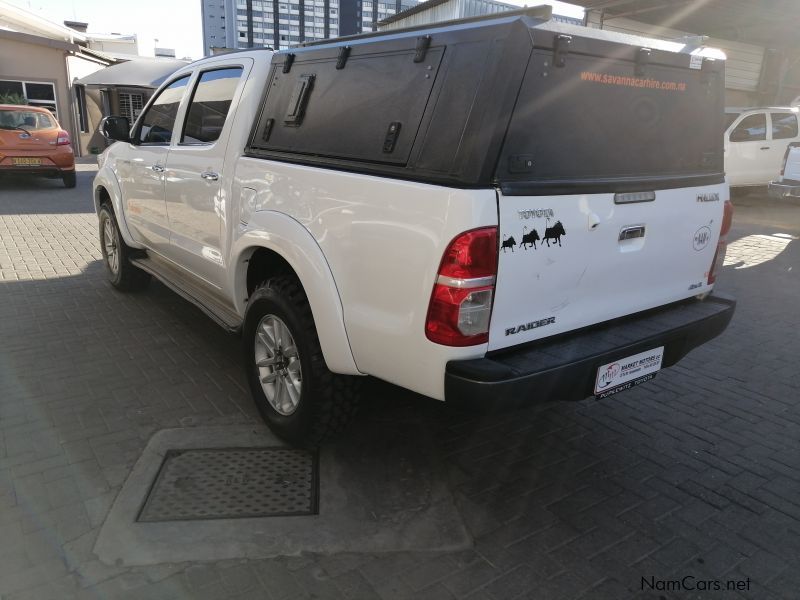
(24, 107)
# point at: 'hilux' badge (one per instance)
(711, 197)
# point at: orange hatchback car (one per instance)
(32, 142)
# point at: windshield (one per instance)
(730, 118)
(25, 119)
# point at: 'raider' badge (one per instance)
(531, 325)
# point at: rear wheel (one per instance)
(298, 397)
(69, 179)
(117, 254)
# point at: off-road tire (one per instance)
(127, 278)
(327, 401)
(69, 179)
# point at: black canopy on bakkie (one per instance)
(511, 99)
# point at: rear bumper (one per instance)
(43, 171)
(782, 189)
(565, 368)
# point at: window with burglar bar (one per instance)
(130, 105)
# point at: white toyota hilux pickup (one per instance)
(490, 212)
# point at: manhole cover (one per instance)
(230, 483)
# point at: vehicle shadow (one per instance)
(40, 195)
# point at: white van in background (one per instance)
(755, 143)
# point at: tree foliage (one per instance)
(12, 98)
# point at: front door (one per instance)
(196, 183)
(747, 151)
(141, 168)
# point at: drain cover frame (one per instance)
(173, 484)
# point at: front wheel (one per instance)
(117, 254)
(298, 397)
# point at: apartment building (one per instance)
(234, 24)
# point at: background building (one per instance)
(41, 60)
(436, 11)
(235, 24)
(758, 38)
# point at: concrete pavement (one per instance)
(691, 478)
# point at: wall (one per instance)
(34, 62)
(125, 45)
(82, 141)
(742, 68)
(444, 12)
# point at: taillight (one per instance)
(62, 139)
(461, 302)
(722, 245)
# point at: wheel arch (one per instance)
(273, 244)
(107, 190)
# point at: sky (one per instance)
(174, 23)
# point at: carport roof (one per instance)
(771, 23)
(149, 73)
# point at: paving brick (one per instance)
(472, 576)
(354, 586)
(277, 580)
(563, 500)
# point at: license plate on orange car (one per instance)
(26, 161)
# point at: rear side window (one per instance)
(784, 126)
(159, 120)
(210, 104)
(752, 128)
(359, 105)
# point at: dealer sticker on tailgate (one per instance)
(627, 372)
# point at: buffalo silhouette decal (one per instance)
(509, 243)
(529, 238)
(554, 233)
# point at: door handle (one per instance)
(157, 168)
(632, 232)
(765, 147)
(210, 175)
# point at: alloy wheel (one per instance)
(278, 363)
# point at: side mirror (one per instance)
(116, 129)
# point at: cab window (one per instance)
(784, 126)
(159, 120)
(210, 104)
(752, 128)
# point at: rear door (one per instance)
(196, 177)
(784, 130)
(611, 192)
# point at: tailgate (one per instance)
(570, 261)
